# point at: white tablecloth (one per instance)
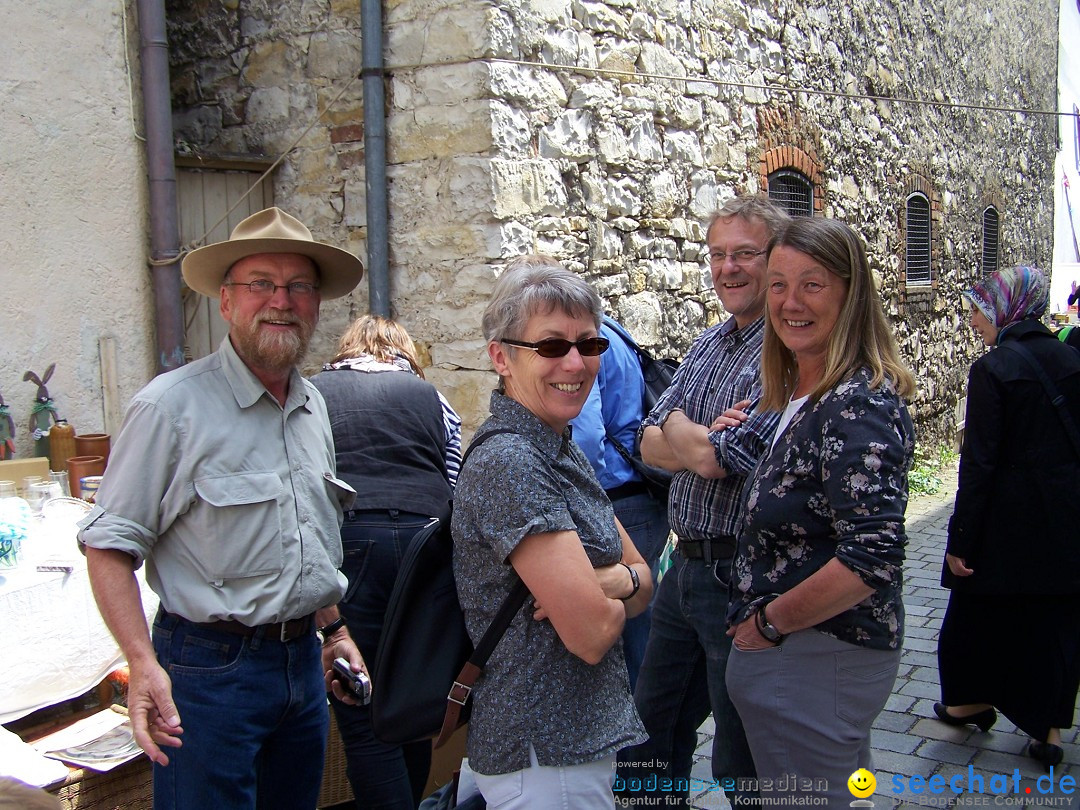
(53, 642)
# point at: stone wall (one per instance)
(606, 133)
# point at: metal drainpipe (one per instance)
(375, 158)
(164, 222)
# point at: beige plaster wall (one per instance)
(72, 200)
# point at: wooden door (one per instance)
(204, 195)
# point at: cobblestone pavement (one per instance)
(906, 740)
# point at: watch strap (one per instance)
(634, 579)
(331, 628)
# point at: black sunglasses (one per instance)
(558, 347)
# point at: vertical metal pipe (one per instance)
(375, 158)
(164, 222)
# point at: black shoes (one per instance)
(1046, 753)
(984, 720)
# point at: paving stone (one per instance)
(931, 729)
(918, 658)
(921, 689)
(904, 764)
(946, 752)
(892, 741)
(928, 674)
(920, 644)
(892, 721)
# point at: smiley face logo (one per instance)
(861, 783)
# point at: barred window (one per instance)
(917, 246)
(990, 221)
(792, 191)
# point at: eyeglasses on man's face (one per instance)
(745, 256)
(558, 347)
(264, 288)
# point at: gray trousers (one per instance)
(807, 707)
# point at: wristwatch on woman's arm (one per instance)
(768, 632)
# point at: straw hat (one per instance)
(271, 231)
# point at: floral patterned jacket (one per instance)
(833, 485)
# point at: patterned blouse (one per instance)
(534, 690)
(834, 485)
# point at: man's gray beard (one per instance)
(273, 352)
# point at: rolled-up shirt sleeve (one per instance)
(140, 494)
(863, 472)
(739, 449)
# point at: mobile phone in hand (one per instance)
(356, 684)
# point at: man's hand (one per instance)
(154, 717)
(342, 646)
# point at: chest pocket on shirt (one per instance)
(240, 524)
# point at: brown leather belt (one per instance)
(281, 631)
(708, 550)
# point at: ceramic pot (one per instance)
(93, 444)
(81, 466)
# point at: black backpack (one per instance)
(657, 374)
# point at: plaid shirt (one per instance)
(721, 369)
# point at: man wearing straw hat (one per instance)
(223, 481)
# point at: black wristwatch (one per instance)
(634, 580)
(331, 628)
(768, 632)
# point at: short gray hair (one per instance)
(752, 207)
(536, 283)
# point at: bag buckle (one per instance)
(459, 693)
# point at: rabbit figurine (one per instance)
(43, 414)
(7, 432)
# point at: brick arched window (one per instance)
(917, 240)
(990, 242)
(793, 191)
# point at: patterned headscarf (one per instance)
(1008, 296)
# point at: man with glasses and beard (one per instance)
(223, 481)
(682, 675)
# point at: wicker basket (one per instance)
(131, 785)
(127, 787)
(335, 785)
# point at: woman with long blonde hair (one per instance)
(819, 563)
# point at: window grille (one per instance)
(917, 247)
(990, 240)
(792, 191)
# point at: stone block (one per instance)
(659, 61)
(601, 18)
(334, 53)
(527, 187)
(622, 196)
(432, 132)
(645, 140)
(531, 86)
(268, 63)
(568, 137)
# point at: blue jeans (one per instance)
(383, 777)
(254, 716)
(645, 520)
(683, 677)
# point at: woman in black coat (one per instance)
(1011, 635)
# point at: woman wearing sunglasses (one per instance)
(553, 705)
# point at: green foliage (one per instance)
(925, 478)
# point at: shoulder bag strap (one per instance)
(1056, 398)
(466, 679)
